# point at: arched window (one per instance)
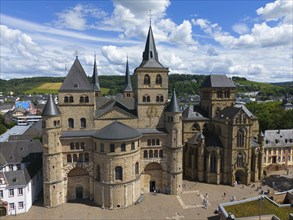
(136, 168)
(219, 94)
(149, 142)
(86, 99)
(74, 158)
(86, 157)
(118, 173)
(145, 154)
(69, 159)
(132, 146)
(71, 99)
(71, 146)
(156, 153)
(83, 123)
(240, 159)
(240, 138)
(158, 142)
(147, 80)
(213, 163)
(158, 79)
(77, 146)
(102, 147)
(195, 127)
(66, 100)
(82, 144)
(153, 142)
(98, 173)
(151, 155)
(123, 147)
(161, 154)
(146, 98)
(112, 148)
(70, 123)
(81, 99)
(159, 98)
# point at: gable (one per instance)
(116, 113)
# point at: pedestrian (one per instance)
(206, 196)
(224, 194)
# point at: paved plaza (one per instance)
(188, 205)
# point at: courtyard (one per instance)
(188, 205)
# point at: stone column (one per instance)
(218, 169)
(208, 166)
(111, 197)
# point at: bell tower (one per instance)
(151, 93)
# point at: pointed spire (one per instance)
(127, 84)
(95, 78)
(50, 108)
(150, 56)
(173, 105)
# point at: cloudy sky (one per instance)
(252, 39)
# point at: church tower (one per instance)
(173, 122)
(217, 92)
(127, 85)
(151, 93)
(77, 98)
(52, 155)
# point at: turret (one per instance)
(173, 122)
(52, 155)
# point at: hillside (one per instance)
(184, 84)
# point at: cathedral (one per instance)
(113, 150)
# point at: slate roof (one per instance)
(217, 81)
(79, 133)
(16, 151)
(117, 131)
(150, 56)
(173, 106)
(76, 79)
(278, 138)
(231, 112)
(50, 108)
(16, 130)
(149, 131)
(127, 84)
(125, 104)
(17, 178)
(194, 112)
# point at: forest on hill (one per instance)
(184, 84)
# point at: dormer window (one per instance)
(277, 141)
(75, 85)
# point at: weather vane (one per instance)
(76, 54)
(150, 16)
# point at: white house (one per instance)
(20, 175)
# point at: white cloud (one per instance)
(279, 9)
(183, 33)
(240, 28)
(76, 18)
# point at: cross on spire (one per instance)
(76, 54)
(150, 16)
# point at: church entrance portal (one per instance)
(152, 177)
(240, 177)
(78, 184)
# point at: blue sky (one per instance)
(252, 39)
